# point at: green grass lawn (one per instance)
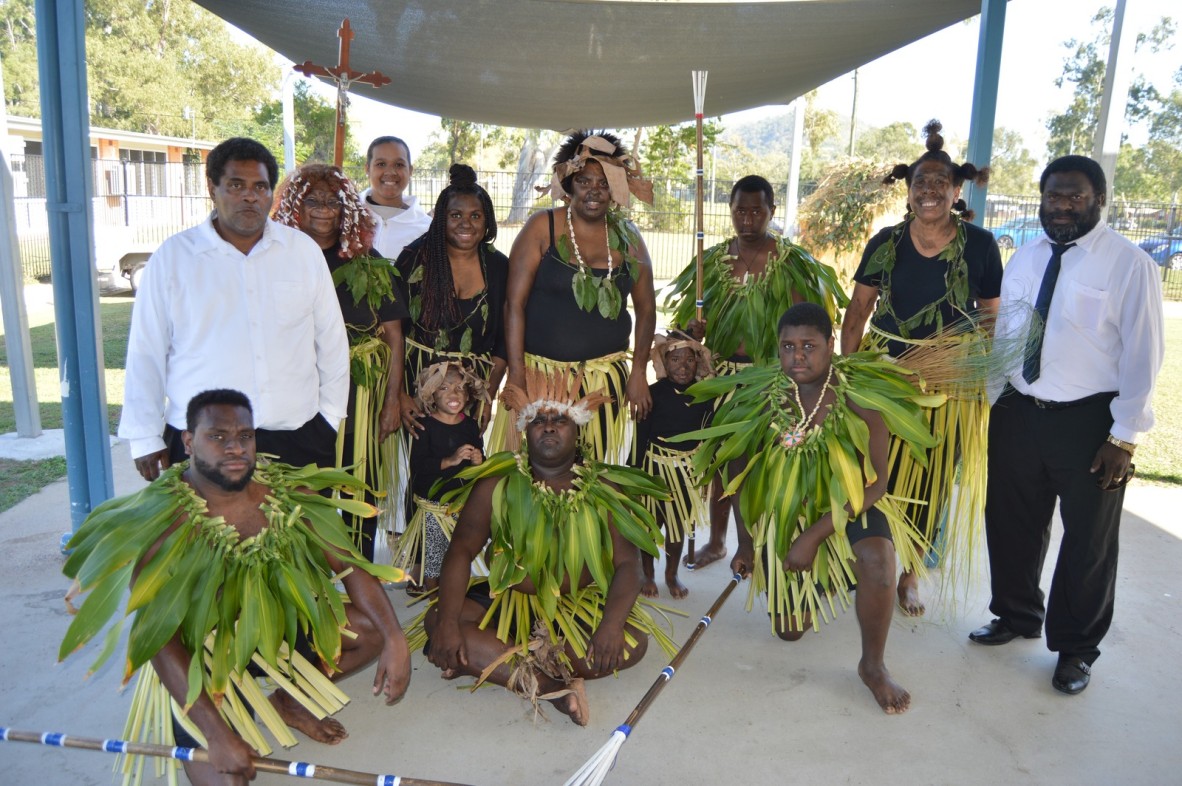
(19, 479)
(1159, 458)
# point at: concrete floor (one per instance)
(744, 706)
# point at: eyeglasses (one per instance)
(316, 204)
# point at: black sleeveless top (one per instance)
(555, 326)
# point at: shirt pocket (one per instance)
(292, 303)
(1085, 307)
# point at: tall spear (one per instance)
(699, 80)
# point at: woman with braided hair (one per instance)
(319, 200)
(933, 282)
(455, 283)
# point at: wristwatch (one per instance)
(1127, 447)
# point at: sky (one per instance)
(931, 78)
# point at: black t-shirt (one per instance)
(917, 280)
(359, 318)
(434, 443)
(487, 324)
(673, 413)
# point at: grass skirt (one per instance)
(819, 592)
(607, 436)
(688, 507)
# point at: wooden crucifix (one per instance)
(343, 76)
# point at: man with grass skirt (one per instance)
(233, 565)
(561, 602)
(804, 446)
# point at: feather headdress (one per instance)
(558, 390)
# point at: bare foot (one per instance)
(890, 695)
(649, 588)
(704, 557)
(329, 731)
(572, 701)
(908, 591)
(677, 590)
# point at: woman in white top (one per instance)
(400, 218)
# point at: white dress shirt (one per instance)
(1104, 331)
(266, 323)
(397, 231)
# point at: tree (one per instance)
(894, 143)
(667, 158)
(537, 148)
(457, 142)
(1012, 165)
(1074, 130)
(147, 63)
(315, 130)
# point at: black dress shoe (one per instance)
(1071, 675)
(997, 632)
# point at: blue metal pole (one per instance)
(980, 152)
(65, 122)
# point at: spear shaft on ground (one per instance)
(595, 770)
(296, 769)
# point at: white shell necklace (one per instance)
(574, 244)
(796, 435)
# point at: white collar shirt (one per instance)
(396, 232)
(1104, 330)
(267, 323)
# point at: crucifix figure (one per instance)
(344, 77)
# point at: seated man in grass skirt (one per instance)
(804, 446)
(234, 565)
(560, 604)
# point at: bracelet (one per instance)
(1127, 447)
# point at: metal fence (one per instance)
(140, 204)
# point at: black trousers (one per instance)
(312, 443)
(1035, 457)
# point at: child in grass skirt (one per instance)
(679, 361)
(449, 441)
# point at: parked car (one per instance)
(118, 257)
(1016, 233)
(1166, 250)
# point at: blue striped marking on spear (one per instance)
(596, 768)
(297, 769)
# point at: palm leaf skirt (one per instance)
(153, 709)
(817, 593)
(607, 436)
(688, 507)
(515, 614)
(410, 548)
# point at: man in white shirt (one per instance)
(238, 302)
(1068, 420)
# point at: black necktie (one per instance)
(1032, 368)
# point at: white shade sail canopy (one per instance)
(564, 64)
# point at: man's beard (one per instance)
(215, 476)
(1066, 233)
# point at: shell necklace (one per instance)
(574, 243)
(798, 432)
